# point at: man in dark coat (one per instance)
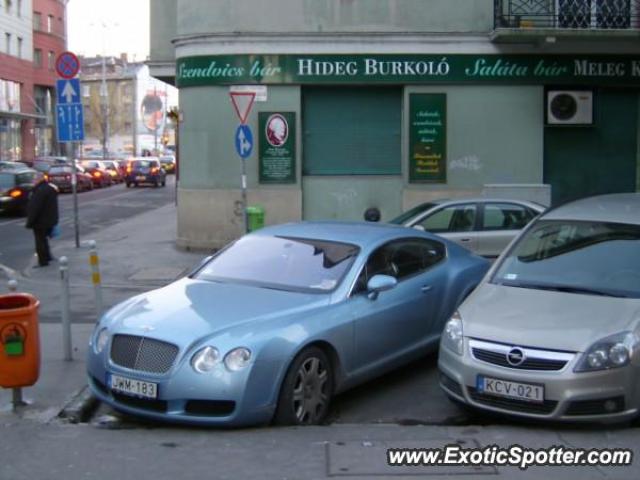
(42, 216)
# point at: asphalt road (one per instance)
(98, 209)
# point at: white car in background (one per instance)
(483, 225)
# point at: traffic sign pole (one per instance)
(242, 103)
(70, 120)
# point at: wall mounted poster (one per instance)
(428, 138)
(277, 147)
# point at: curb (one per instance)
(80, 408)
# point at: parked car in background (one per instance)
(15, 186)
(43, 164)
(113, 169)
(141, 170)
(99, 173)
(278, 322)
(483, 225)
(60, 176)
(553, 332)
(7, 165)
(168, 162)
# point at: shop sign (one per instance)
(277, 147)
(428, 138)
(408, 69)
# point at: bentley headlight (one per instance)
(611, 352)
(237, 359)
(101, 340)
(205, 359)
(452, 337)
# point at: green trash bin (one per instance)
(255, 217)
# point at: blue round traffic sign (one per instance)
(67, 65)
(244, 141)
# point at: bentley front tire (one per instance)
(306, 392)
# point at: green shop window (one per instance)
(352, 131)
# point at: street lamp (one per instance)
(104, 108)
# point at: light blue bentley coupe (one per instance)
(275, 324)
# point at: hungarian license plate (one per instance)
(136, 388)
(504, 388)
(141, 177)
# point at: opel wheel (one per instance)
(307, 389)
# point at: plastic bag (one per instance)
(55, 231)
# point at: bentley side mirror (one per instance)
(380, 283)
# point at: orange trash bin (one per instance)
(19, 340)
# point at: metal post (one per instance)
(245, 217)
(94, 262)
(66, 317)
(13, 285)
(104, 104)
(74, 187)
(17, 399)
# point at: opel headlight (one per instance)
(237, 359)
(611, 352)
(205, 359)
(101, 340)
(452, 337)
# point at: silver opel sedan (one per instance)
(553, 330)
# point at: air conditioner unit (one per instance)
(570, 107)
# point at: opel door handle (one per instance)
(465, 239)
(425, 288)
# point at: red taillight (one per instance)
(15, 193)
(97, 174)
(154, 170)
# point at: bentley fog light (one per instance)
(452, 337)
(101, 340)
(205, 359)
(611, 352)
(237, 359)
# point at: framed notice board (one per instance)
(277, 148)
(427, 138)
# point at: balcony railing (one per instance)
(568, 14)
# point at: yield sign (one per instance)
(242, 102)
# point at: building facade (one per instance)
(49, 41)
(34, 35)
(132, 117)
(390, 103)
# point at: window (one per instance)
(52, 60)
(8, 43)
(505, 216)
(19, 47)
(37, 58)
(7, 6)
(283, 263)
(457, 218)
(400, 259)
(49, 23)
(19, 8)
(37, 21)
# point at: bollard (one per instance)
(66, 314)
(13, 285)
(94, 262)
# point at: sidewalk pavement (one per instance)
(136, 255)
